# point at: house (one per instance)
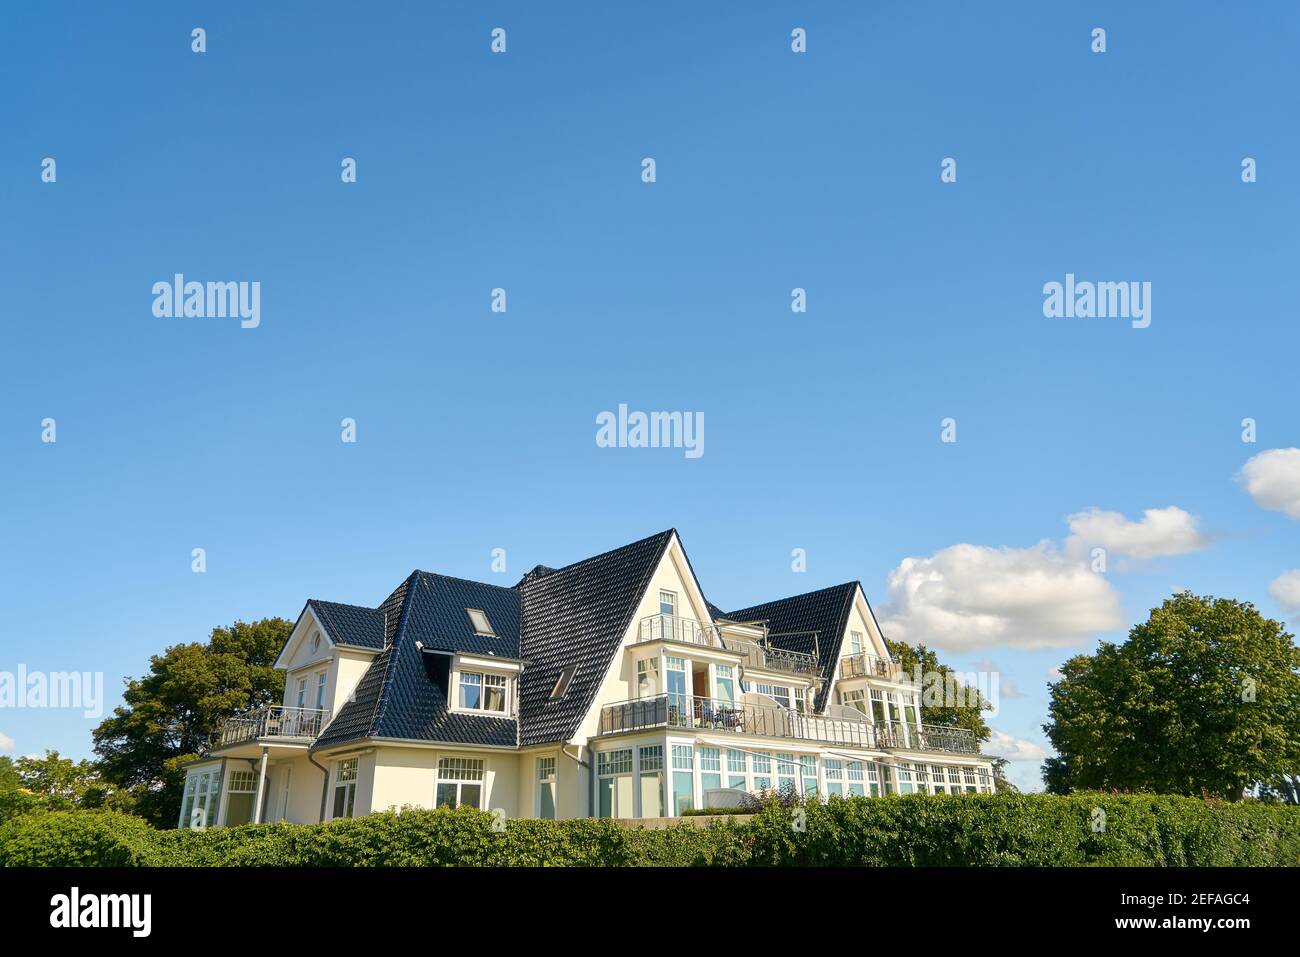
(609, 687)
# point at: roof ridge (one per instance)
(611, 551)
(381, 702)
(807, 594)
(457, 578)
(342, 604)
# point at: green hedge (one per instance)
(916, 830)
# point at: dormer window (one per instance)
(483, 692)
(480, 622)
(562, 682)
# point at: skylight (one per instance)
(562, 683)
(480, 622)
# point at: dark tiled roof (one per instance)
(397, 697)
(792, 623)
(437, 616)
(577, 615)
(351, 624)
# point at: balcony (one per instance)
(675, 628)
(765, 658)
(675, 711)
(870, 666)
(738, 717)
(294, 725)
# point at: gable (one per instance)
(578, 616)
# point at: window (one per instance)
(785, 778)
(919, 770)
(683, 778)
(480, 622)
(735, 769)
(904, 779)
(482, 692)
(667, 603)
(199, 790)
(321, 680)
(799, 704)
(954, 778)
(936, 778)
(647, 677)
(676, 686)
(724, 678)
(315, 642)
(345, 788)
(614, 768)
(834, 777)
(546, 788)
(855, 779)
(873, 778)
(985, 783)
(762, 762)
(710, 769)
(877, 707)
(969, 775)
(562, 682)
(651, 770)
(242, 782)
(808, 768)
(855, 699)
(302, 692)
(909, 705)
(460, 781)
(855, 642)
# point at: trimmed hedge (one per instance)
(915, 830)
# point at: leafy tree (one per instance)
(969, 716)
(77, 782)
(1203, 697)
(9, 779)
(1000, 781)
(176, 711)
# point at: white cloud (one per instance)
(6, 743)
(1285, 590)
(1273, 480)
(1054, 673)
(973, 596)
(1006, 685)
(1161, 531)
(1013, 749)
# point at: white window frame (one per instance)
(457, 770)
(479, 621)
(322, 682)
(486, 679)
(546, 777)
(346, 772)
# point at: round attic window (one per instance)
(315, 642)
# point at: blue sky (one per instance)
(775, 170)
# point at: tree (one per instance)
(1000, 782)
(968, 715)
(175, 712)
(1203, 697)
(9, 779)
(77, 782)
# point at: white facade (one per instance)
(691, 713)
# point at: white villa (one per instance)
(607, 688)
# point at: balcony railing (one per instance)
(933, 737)
(763, 658)
(676, 628)
(773, 721)
(870, 666)
(739, 717)
(274, 721)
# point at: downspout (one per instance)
(325, 787)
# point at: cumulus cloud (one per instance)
(1285, 590)
(973, 596)
(1160, 531)
(1054, 673)
(6, 743)
(1006, 685)
(1013, 749)
(1273, 480)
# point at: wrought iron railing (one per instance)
(773, 721)
(933, 737)
(870, 666)
(274, 721)
(676, 628)
(739, 717)
(763, 658)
